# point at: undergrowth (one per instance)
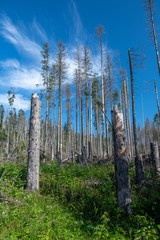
(74, 204)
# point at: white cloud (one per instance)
(96, 59)
(10, 63)
(19, 76)
(19, 38)
(77, 29)
(19, 102)
(71, 67)
(39, 30)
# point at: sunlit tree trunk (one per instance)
(34, 145)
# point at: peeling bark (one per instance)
(121, 162)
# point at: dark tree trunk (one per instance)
(34, 144)
(138, 161)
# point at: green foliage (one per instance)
(11, 96)
(71, 206)
(156, 120)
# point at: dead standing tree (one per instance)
(155, 156)
(100, 32)
(150, 21)
(138, 161)
(34, 144)
(155, 86)
(121, 161)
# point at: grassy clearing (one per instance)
(69, 207)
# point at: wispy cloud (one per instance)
(10, 64)
(18, 37)
(19, 76)
(19, 102)
(78, 32)
(39, 30)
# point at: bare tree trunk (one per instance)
(126, 119)
(107, 135)
(154, 32)
(155, 85)
(100, 33)
(34, 144)
(76, 111)
(8, 139)
(102, 76)
(100, 133)
(46, 147)
(91, 134)
(54, 128)
(138, 161)
(121, 162)
(155, 156)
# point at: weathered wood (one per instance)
(92, 181)
(155, 156)
(79, 154)
(121, 162)
(34, 144)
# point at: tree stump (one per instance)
(155, 156)
(34, 145)
(121, 162)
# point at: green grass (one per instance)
(68, 208)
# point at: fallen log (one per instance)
(92, 181)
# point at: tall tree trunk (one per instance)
(102, 77)
(126, 118)
(100, 33)
(91, 134)
(34, 145)
(121, 162)
(155, 85)
(138, 161)
(154, 32)
(76, 111)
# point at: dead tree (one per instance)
(34, 144)
(155, 156)
(121, 162)
(100, 32)
(61, 74)
(138, 161)
(155, 86)
(150, 21)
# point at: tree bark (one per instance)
(121, 162)
(155, 156)
(34, 144)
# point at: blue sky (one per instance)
(25, 25)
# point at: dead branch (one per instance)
(93, 181)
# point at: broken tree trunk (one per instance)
(155, 156)
(34, 144)
(121, 162)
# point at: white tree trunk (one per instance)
(34, 144)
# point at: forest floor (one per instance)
(75, 202)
